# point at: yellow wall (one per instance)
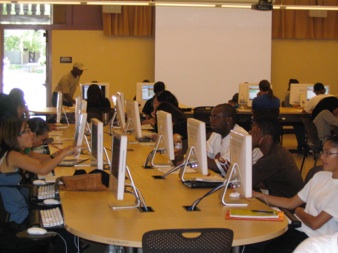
(120, 61)
(124, 61)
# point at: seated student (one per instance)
(97, 103)
(319, 244)
(148, 107)
(164, 96)
(266, 103)
(222, 120)
(320, 215)
(319, 90)
(234, 100)
(326, 122)
(15, 138)
(40, 130)
(276, 171)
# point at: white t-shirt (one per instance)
(320, 194)
(319, 244)
(311, 104)
(216, 144)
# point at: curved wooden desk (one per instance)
(88, 215)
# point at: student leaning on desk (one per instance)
(15, 138)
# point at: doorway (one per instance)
(24, 64)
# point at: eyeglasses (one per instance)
(328, 153)
(25, 131)
(216, 117)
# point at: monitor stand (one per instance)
(139, 203)
(151, 156)
(227, 201)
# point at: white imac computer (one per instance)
(80, 131)
(240, 170)
(103, 86)
(133, 119)
(121, 96)
(96, 143)
(144, 91)
(310, 94)
(196, 156)
(80, 107)
(298, 93)
(119, 108)
(118, 165)
(59, 107)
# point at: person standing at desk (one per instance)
(320, 215)
(68, 84)
(223, 119)
(266, 103)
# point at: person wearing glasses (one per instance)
(223, 119)
(320, 215)
(15, 138)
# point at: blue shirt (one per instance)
(264, 102)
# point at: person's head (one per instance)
(16, 104)
(223, 119)
(78, 69)
(159, 87)
(319, 88)
(15, 135)
(264, 86)
(269, 127)
(94, 92)
(17, 92)
(291, 81)
(40, 129)
(329, 156)
(167, 96)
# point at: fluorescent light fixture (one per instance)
(305, 7)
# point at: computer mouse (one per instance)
(234, 195)
(51, 202)
(36, 231)
(39, 182)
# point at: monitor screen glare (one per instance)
(147, 92)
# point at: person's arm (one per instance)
(25, 162)
(289, 203)
(311, 221)
(69, 98)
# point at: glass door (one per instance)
(24, 64)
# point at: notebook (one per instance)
(72, 162)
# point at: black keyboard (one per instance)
(201, 184)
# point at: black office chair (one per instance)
(313, 144)
(203, 113)
(188, 240)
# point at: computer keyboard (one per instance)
(51, 217)
(46, 192)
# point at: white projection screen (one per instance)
(202, 54)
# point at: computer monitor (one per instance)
(165, 131)
(96, 143)
(103, 86)
(133, 119)
(59, 107)
(310, 94)
(197, 146)
(298, 93)
(119, 108)
(118, 165)
(79, 132)
(241, 155)
(253, 91)
(80, 106)
(246, 93)
(123, 101)
(144, 91)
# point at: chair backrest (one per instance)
(263, 113)
(188, 240)
(203, 113)
(312, 139)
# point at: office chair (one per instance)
(313, 144)
(203, 113)
(188, 240)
